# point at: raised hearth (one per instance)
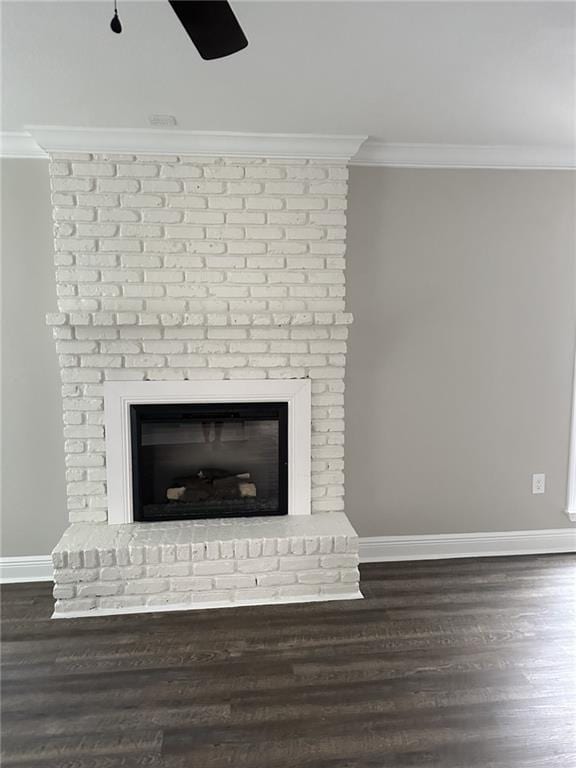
(102, 569)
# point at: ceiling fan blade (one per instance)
(211, 25)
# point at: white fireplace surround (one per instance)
(120, 395)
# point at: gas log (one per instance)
(211, 484)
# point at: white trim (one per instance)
(119, 395)
(20, 145)
(452, 545)
(571, 495)
(173, 142)
(26, 568)
(39, 141)
(354, 595)
(379, 153)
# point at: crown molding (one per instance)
(20, 145)
(379, 153)
(144, 141)
(41, 141)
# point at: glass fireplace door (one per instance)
(195, 461)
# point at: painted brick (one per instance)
(197, 551)
(321, 576)
(140, 201)
(246, 255)
(181, 171)
(223, 596)
(168, 569)
(77, 604)
(339, 560)
(138, 170)
(118, 185)
(191, 584)
(258, 565)
(262, 594)
(236, 581)
(116, 214)
(213, 567)
(64, 591)
(299, 563)
(162, 216)
(264, 172)
(275, 579)
(98, 590)
(146, 587)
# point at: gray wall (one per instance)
(33, 500)
(459, 379)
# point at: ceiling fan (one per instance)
(210, 24)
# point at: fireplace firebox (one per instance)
(194, 461)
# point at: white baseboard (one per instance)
(28, 568)
(377, 549)
(451, 545)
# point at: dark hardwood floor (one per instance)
(452, 664)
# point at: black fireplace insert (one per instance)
(195, 461)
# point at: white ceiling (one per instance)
(483, 73)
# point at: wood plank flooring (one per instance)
(445, 664)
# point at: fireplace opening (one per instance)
(194, 461)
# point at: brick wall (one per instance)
(197, 268)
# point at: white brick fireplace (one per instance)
(177, 276)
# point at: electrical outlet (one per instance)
(539, 483)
